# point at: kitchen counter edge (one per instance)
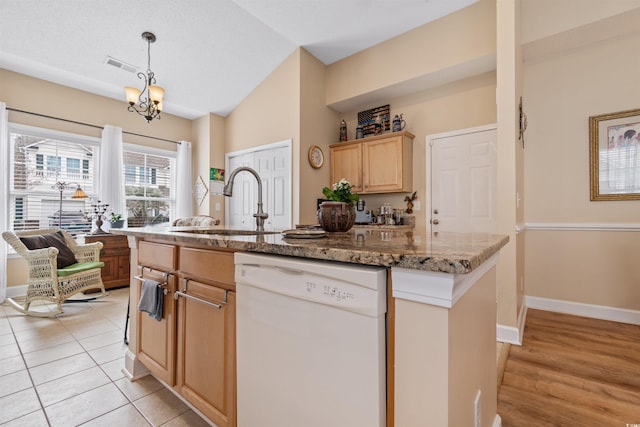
(453, 253)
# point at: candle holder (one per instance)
(99, 209)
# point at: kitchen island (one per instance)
(441, 311)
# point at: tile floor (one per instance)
(67, 371)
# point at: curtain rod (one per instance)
(87, 124)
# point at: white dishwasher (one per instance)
(310, 342)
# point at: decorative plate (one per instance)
(304, 234)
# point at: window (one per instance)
(53, 165)
(73, 168)
(37, 158)
(149, 188)
(39, 165)
(85, 169)
(41, 158)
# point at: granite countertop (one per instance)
(456, 253)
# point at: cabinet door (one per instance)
(123, 268)
(206, 351)
(156, 339)
(384, 167)
(109, 272)
(346, 162)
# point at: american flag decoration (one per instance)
(367, 119)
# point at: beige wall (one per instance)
(407, 72)
(319, 126)
(547, 18)
(209, 152)
(38, 96)
(26, 93)
(271, 113)
(561, 92)
(428, 112)
(459, 345)
(419, 57)
(290, 104)
(589, 267)
(510, 188)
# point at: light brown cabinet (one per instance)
(377, 164)
(115, 255)
(156, 339)
(193, 348)
(346, 162)
(206, 351)
(206, 374)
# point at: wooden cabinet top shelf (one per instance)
(376, 137)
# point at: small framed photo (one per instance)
(614, 156)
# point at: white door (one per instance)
(274, 167)
(241, 206)
(273, 164)
(463, 180)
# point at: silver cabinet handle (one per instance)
(179, 294)
(184, 294)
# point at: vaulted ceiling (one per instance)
(209, 54)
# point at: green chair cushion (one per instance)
(78, 267)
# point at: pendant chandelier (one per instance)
(148, 101)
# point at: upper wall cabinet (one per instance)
(377, 164)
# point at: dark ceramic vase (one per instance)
(336, 216)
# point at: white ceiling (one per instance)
(209, 54)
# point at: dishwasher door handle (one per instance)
(289, 271)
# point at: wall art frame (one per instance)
(614, 156)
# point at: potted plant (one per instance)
(338, 214)
(116, 220)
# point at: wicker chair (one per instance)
(198, 221)
(48, 283)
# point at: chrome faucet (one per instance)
(260, 216)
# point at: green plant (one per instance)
(341, 192)
(114, 217)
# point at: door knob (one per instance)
(435, 222)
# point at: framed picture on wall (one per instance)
(614, 156)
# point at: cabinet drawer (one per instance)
(109, 240)
(157, 255)
(109, 251)
(207, 265)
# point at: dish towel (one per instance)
(151, 299)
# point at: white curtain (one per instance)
(4, 195)
(111, 181)
(184, 200)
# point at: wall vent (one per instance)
(109, 60)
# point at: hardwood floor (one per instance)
(572, 371)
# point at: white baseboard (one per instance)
(16, 291)
(512, 334)
(614, 314)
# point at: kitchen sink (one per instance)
(224, 232)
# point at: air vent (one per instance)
(120, 64)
